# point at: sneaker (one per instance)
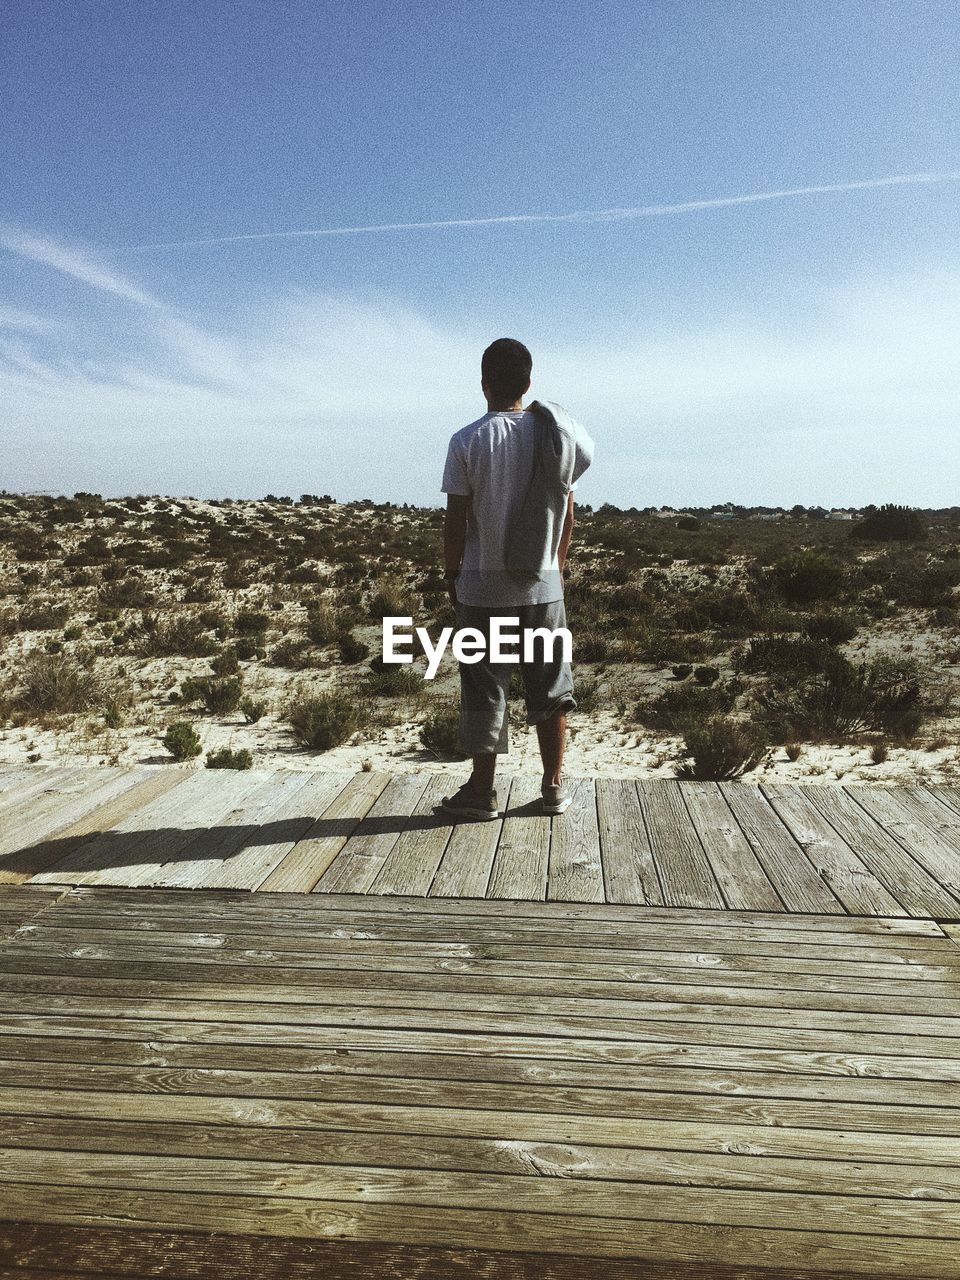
(467, 804)
(556, 799)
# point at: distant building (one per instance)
(840, 515)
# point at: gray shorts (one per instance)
(547, 681)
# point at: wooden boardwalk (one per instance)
(682, 1032)
(398, 1086)
(856, 850)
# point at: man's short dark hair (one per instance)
(506, 368)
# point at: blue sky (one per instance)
(792, 349)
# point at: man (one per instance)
(509, 480)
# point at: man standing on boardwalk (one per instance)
(509, 480)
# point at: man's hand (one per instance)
(451, 579)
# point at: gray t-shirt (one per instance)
(490, 461)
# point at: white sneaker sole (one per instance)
(554, 809)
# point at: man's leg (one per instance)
(551, 735)
(484, 772)
(548, 687)
(484, 731)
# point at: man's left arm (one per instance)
(566, 534)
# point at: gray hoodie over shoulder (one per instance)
(562, 452)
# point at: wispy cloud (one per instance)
(20, 321)
(76, 262)
(856, 401)
(851, 397)
(581, 216)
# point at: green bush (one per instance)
(387, 680)
(721, 748)
(324, 623)
(220, 697)
(587, 694)
(793, 656)
(324, 720)
(890, 523)
(253, 709)
(706, 675)
(226, 662)
(351, 648)
(833, 628)
(43, 616)
(840, 703)
(296, 653)
(251, 622)
(65, 684)
(183, 635)
(181, 741)
(681, 705)
(227, 759)
(390, 599)
(439, 731)
(808, 576)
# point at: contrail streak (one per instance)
(583, 216)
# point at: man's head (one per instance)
(505, 372)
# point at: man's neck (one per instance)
(516, 407)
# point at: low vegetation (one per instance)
(223, 627)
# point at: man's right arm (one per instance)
(454, 539)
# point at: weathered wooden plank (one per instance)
(305, 1147)
(131, 840)
(522, 860)
(834, 861)
(816, 1053)
(231, 964)
(682, 865)
(455, 938)
(202, 829)
(742, 880)
(909, 882)
(33, 783)
(630, 873)
(818, 1251)
(518, 909)
(404, 992)
(346, 951)
(914, 829)
(149, 783)
(790, 872)
(273, 913)
(768, 1126)
(410, 866)
(467, 861)
(264, 1022)
(575, 872)
(137, 1254)
(213, 1000)
(927, 1219)
(268, 810)
(39, 813)
(358, 863)
(299, 871)
(749, 987)
(286, 817)
(682, 1092)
